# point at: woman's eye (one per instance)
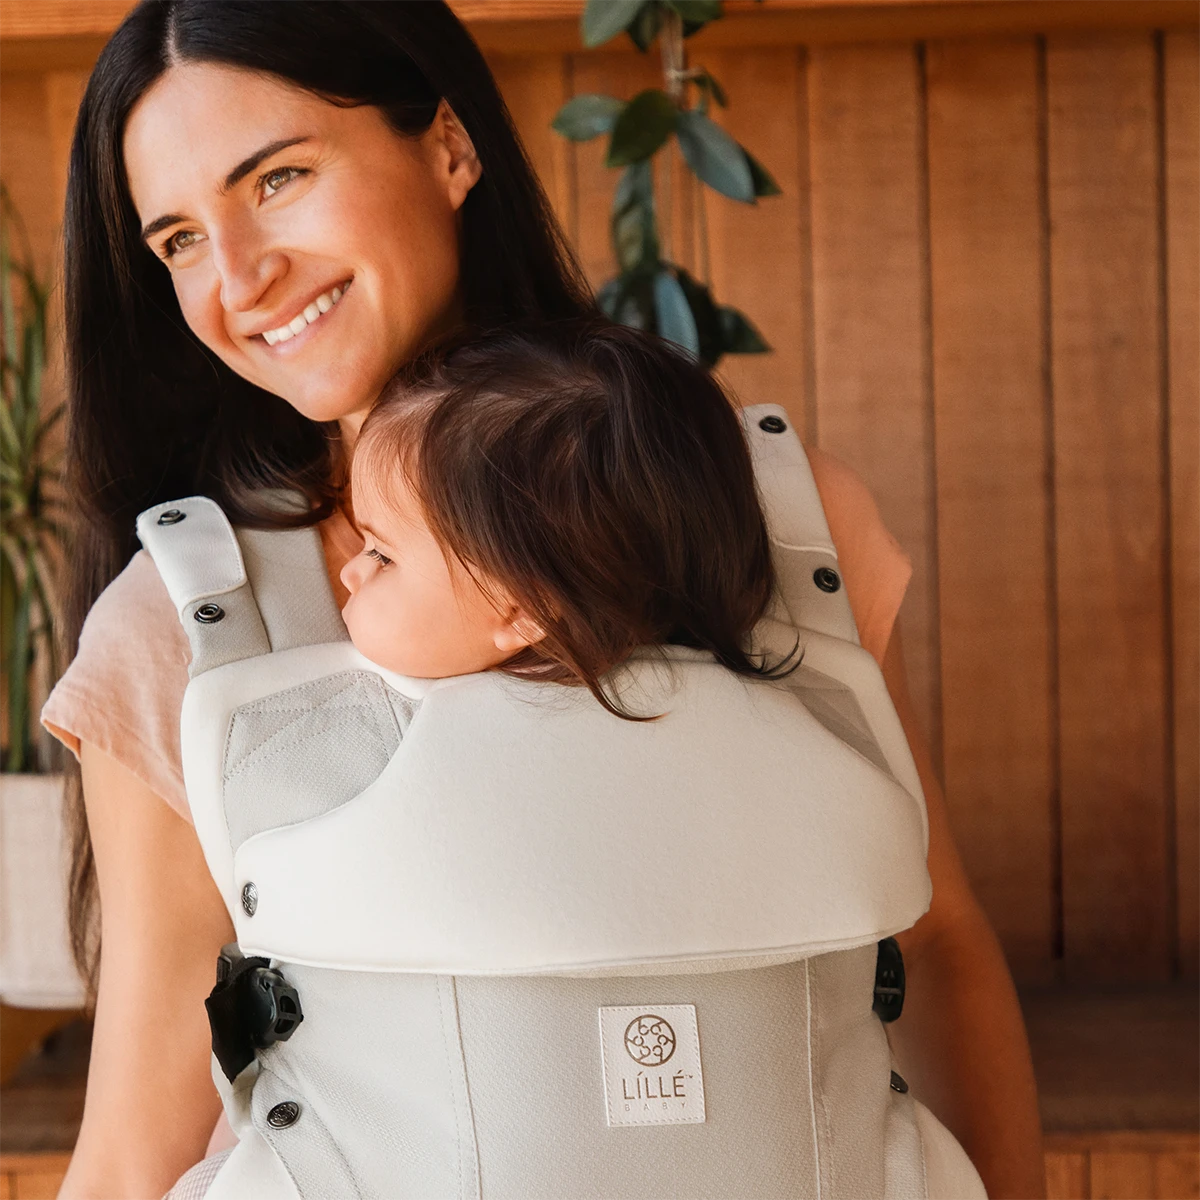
(281, 176)
(382, 559)
(174, 244)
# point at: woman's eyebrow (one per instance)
(231, 180)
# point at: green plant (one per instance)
(652, 292)
(31, 535)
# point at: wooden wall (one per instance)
(981, 287)
(980, 284)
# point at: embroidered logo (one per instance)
(649, 1040)
(651, 1064)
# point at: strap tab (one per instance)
(198, 556)
(808, 582)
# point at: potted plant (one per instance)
(36, 969)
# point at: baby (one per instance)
(545, 500)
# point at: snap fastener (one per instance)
(772, 424)
(249, 899)
(283, 1115)
(171, 517)
(210, 614)
(898, 1084)
(827, 579)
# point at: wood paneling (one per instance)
(870, 311)
(770, 95)
(1181, 138)
(986, 257)
(1110, 518)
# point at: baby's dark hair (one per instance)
(599, 475)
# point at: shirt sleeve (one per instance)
(123, 693)
(875, 569)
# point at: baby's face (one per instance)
(413, 609)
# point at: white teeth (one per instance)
(322, 304)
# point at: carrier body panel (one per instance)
(542, 951)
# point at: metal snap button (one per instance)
(172, 517)
(772, 424)
(249, 899)
(283, 1115)
(827, 579)
(210, 614)
(898, 1084)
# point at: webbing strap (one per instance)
(239, 593)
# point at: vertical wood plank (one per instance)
(1177, 1176)
(1182, 135)
(535, 87)
(620, 74)
(1067, 1176)
(1122, 1175)
(870, 311)
(37, 1185)
(25, 168)
(759, 253)
(990, 446)
(1109, 504)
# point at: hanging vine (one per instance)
(651, 291)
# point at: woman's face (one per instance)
(312, 248)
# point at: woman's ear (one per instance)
(516, 631)
(457, 159)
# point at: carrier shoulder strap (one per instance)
(809, 586)
(242, 592)
(239, 593)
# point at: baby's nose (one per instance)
(350, 574)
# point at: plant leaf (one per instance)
(646, 25)
(634, 228)
(644, 125)
(604, 19)
(740, 335)
(674, 314)
(715, 157)
(708, 83)
(764, 181)
(587, 116)
(697, 12)
(704, 312)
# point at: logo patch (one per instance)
(651, 1062)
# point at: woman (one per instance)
(328, 188)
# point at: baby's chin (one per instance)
(417, 665)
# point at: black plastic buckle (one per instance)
(251, 1007)
(889, 980)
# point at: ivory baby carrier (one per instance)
(493, 941)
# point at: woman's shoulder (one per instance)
(123, 691)
(873, 564)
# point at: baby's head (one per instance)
(545, 500)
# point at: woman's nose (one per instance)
(246, 268)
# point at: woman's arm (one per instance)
(961, 1041)
(151, 1104)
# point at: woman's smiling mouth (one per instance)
(311, 313)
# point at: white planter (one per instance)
(36, 969)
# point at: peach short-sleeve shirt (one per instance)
(123, 692)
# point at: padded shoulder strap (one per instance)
(239, 593)
(809, 583)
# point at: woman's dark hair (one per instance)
(152, 413)
(599, 476)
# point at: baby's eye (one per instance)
(382, 559)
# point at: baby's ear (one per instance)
(520, 630)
